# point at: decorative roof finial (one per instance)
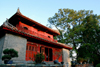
(18, 11)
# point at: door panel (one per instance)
(48, 54)
(31, 49)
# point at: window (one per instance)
(41, 49)
(32, 48)
(49, 36)
(35, 48)
(29, 47)
(25, 28)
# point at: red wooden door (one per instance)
(31, 49)
(47, 53)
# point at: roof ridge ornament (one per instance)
(18, 10)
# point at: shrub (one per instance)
(39, 57)
(80, 59)
(98, 65)
(9, 53)
(6, 57)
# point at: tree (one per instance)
(77, 28)
(90, 39)
(68, 23)
(9, 54)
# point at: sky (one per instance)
(41, 10)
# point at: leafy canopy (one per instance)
(81, 29)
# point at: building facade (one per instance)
(29, 37)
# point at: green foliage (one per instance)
(68, 22)
(98, 65)
(85, 60)
(13, 53)
(90, 39)
(80, 59)
(6, 57)
(6, 51)
(80, 29)
(9, 53)
(39, 57)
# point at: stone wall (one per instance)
(66, 58)
(1, 47)
(18, 43)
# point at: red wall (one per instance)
(33, 48)
(34, 31)
(56, 52)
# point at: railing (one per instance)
(34, 33)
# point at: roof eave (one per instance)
(32, 21)
(56, 44)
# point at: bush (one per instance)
(80, 59)
(6, 57)
(9, 53)
(98, 65)
(39, 57)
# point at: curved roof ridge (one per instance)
(18, 10)
(20, 14)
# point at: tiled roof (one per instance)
(14, 30)
(18, 13)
